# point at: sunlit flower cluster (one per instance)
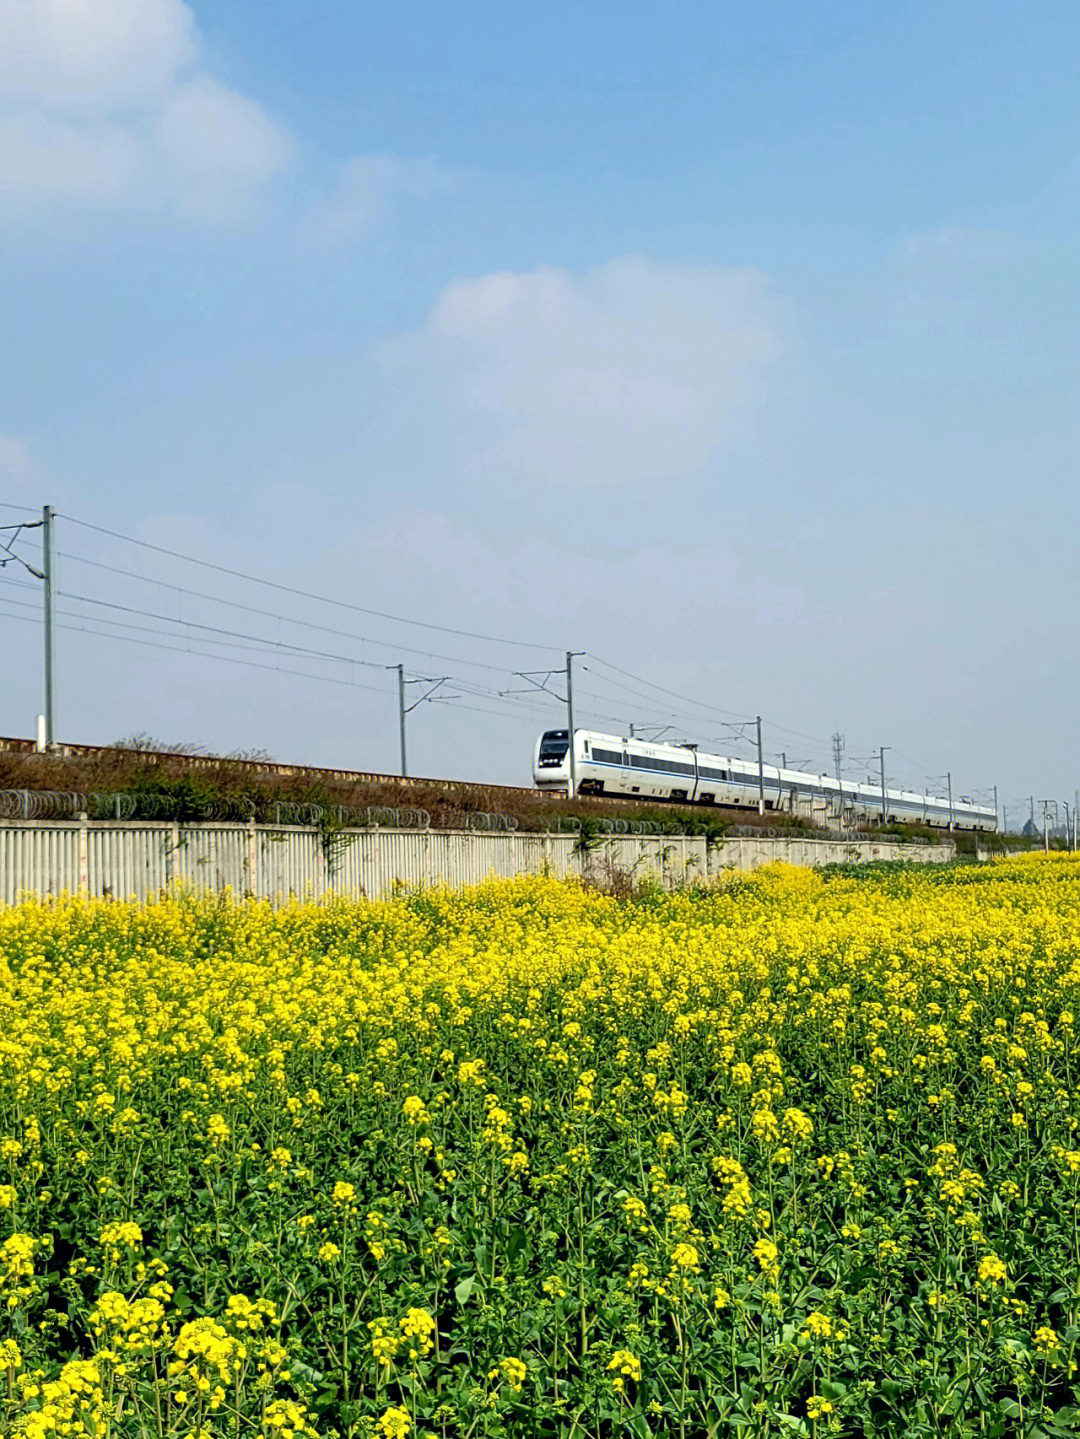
(797, 1153)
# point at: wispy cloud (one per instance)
(108, 101)
(368, 189)
(631, 372)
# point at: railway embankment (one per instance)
(116, 783)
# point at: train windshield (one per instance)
(553, 746)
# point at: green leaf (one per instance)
(324, 1398)
(306, 1372)
(464, 1289)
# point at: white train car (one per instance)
(616, 765)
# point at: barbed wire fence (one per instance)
(119, 806)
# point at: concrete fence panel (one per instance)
(142, 860)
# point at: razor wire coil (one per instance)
(485, 822)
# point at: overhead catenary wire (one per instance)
(270, 645)
(235, 641)
(307, 650)
(306, 594)
(672, 694)
(608, 675)
(250, 664)
(229, 659)
(284, 619)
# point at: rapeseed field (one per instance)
(794, 1156)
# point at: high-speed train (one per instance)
(611, 764)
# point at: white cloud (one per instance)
(99, 101)
(368, 187)
(633, 372)
(220, 145)
(48, 155)
(86, 55)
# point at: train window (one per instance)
(607, 756)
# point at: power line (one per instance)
(682, 718)
(259, 646)
(270, 645)
(672, 694)
(220, 630)
(228, 659)
(304, 594)
(247, 664)
(700, 704)
(20, 584)
(282, 619)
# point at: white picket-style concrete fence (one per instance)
(141, 860)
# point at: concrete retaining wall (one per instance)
(138, 861)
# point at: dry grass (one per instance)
(264, 782)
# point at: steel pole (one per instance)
(571, 785)
(884, 807)
(401, 716)
(760, 772)
(948, 781)
(47, 567)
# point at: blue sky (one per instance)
(734, 345)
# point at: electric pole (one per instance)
(884, 808)
(838, 754)
(47, 567)
(760, 772)
(948, 781)
(401, 717)
(571, 655)
(995, 807)
(404, 709)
